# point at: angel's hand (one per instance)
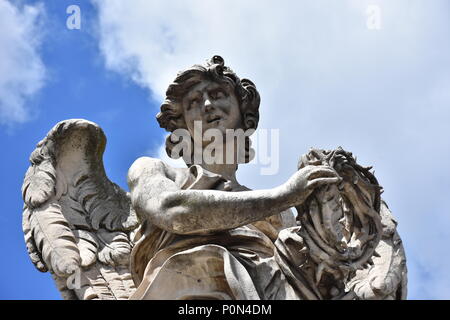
(302, 183)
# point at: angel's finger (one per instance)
(322, 172)
(322, 181)
(314, 162)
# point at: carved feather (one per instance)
(74, 217)
(87, 244)
(119, 280)
(39, 184)
(115, 248)
(102, 282)
(33, 252)
(54, 239)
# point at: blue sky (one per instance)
(77, 86)
(325, 80)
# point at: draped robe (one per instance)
(249, 262)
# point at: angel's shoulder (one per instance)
(144, 166)
(152, 168)
(147, 163)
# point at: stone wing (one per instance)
(78, 225)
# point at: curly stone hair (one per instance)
(171, 115)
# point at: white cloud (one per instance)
(161, 153)
(325, 80)
(22, 72)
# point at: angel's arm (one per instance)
(155, 195)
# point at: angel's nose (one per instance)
(208, 105)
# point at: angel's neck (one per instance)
(228, 171)
(220, 164)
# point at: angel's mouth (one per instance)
(213, 119)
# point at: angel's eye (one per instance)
(218, 94)
(194, 102)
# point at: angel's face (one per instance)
(213, 104)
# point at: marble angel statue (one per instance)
(195, 232)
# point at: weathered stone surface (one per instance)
(77, 223)
(195, 232)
